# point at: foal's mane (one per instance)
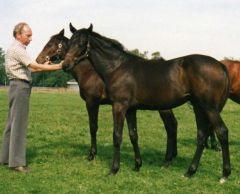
(114, 43)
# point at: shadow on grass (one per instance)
(151, 156)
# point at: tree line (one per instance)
(56, 78)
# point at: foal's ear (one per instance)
(90, 28)
(72, 29)
(61, 32)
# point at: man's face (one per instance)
(25, 37)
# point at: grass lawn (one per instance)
(59, 141)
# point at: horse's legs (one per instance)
(93, 109)
(213, 140)
(222, 135)
(132, 128)
(221, 130)
(170, 124)
(202, 134)
(119, 111)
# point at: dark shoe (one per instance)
(23, 169)
(4, 164)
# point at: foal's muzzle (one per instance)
(66, 67)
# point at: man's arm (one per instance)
(35, 67)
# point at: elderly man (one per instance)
(19, 65)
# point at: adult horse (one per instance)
(233, 67)
(134, 83)
(93, 91)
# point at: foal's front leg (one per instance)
(132, 128)
(202, 124)
(93, 109)
(170, 124)
(119, 111)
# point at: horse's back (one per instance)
(193, 77)
(166, 84)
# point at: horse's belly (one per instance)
(163, 101)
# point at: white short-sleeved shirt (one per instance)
(17, 61)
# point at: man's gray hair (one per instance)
(18, 28)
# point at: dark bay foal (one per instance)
(134, 83)
(93, 91)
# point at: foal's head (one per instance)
(78, 47)
(55, 49)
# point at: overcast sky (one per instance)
(172, 27)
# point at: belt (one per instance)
(22, 80)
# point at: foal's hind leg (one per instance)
(93, 109)
(202, 134)
(217, 123)
(170, 124)
(222, 135)
(213, 140)
(132, 128)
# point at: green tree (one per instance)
(156, 55)
(3, 77)
(51, 79)
(138, 53)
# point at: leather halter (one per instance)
(82, 57)
(58, 51)
(85, 55)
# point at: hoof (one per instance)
(167, 164)
(90, 157)
(188, 174)
(111, 173)
(138, 164)
(185, 177)
(223, 180)
(136, 169)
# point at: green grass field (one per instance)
(59, 140)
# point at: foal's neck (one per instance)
(105, 58)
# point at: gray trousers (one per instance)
(14, 136)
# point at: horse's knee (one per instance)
(202, 138)
(222, 134)
(133, 135)
(117, 138)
